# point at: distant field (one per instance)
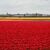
(24, 18)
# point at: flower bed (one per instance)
(24, 35)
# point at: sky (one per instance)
(24, 6)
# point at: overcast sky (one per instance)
(24, 6)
